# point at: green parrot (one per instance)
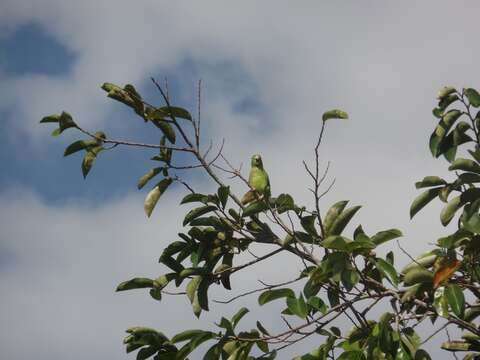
(258, 181)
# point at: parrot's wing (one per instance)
(267, 188)
(248, 197)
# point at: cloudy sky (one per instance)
(269, 71)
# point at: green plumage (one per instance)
(258, 180)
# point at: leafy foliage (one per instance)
(347, 280)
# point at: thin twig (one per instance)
(266, 287)
(136, 144)
(199, 102)
(435, 333)
(184, 184)
(450, 339)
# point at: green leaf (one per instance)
(459, 346)
(254, 208)
(66, 121)
(447, 121)
(448, 212)
(334, 114)
(136, 99)
(156, 294)
(192, 345)
(360, 244)
(202, 292)
(333, 213)
(148, 176)
(132, 347)
(132, 91)
(171, 263)
(188, 335)
(385, 339)
(317, 304)
(421, 354)
(384, 236)
(89, 159)
(465, 165)
(430, 181)
(476, 153)
(194, 213)
(442, 129)
(308, 223)
(447, 100)
(333, 296)
(222, 193)
(455, 138)
(418, 275)
(238, 316)
(55, 118)
(79, 145)
(192, 287)
(142, 330)
(433, 143)
(472, 223)
(262, 329)
(472, 313)
(154, 195)
(146, 352)
(297, 306)
(424, 261)
(387, 270)
(350, 278)
(166, 129)
(335, 242)
(135, 283)
(422, 200)
(284, 203)
(440, 302)
(176, 112)
(213, 353)
(117, 93)
(163, 280)
(316, 354)
(192, 271)
(446, 90)
(195, 198)
(469, 178)
(410, 342)
(352, 355)
(263, 346)
(270, 295)
(109, 87)
(342, 220)
(473, 97)
(450, 154)
(207, 221)
(227, 325)
(456, 299)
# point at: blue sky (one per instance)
(29, 50)
(269, 71)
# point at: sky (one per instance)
(269, 70)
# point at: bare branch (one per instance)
(184, 184)
(136, 144)
(199, 103)
(266, 287)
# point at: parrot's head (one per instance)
(257, 161)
